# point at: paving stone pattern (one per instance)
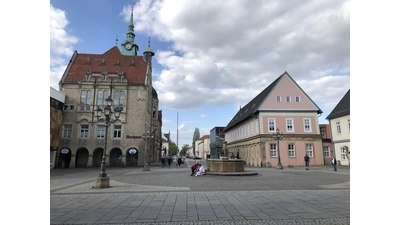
(169, 196)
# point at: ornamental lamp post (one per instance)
(147, 137)
(278, 136)
(103, 181)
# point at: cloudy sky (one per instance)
(211, 57)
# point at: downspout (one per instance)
(259, 134)
(94, 99)
(333, 144)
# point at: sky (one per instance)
(212, 57)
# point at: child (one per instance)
(200, 171)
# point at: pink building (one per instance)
(285, 106)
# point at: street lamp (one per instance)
(103, 181)
(278, 136)
(147, 137)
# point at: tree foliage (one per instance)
(174, 149)
(196, 136)
(184, 150)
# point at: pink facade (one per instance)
(298, 124)
(299, 152)
(287, 88)
(285, 106)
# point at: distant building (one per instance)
(339, 120)
(166, 143)
(217, 139)
(327, 147)
(56, 120)
(203, 146)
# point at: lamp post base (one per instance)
(279, 167)
(146, 167)
(102, 182)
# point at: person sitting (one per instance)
(200, 170)
(194, 168)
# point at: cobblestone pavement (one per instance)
(169, 196)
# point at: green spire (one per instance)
(148, 49)
(148, 53)
(129, 47)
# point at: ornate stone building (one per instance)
(88, 81)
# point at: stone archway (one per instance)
(116, 157)
(97, 157)
(64, 158)
(132, 157)
(82, 157)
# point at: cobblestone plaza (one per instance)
(171, 196)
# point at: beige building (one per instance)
(88, 81)
(339, 120)
(203, 146)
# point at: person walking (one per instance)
(169, 161)
(307, 161)
(334, 163)
(179, 161)
(163, 161)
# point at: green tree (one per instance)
(184, 150)
(196, 136)
(174, 149)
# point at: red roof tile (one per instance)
(135, 75)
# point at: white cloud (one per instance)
(60, 45)
(226, 52)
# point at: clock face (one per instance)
(128, 46)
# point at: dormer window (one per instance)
(103, 63)
(278, 98)
(288, 99)
(132, 64)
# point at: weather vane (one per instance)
(133, 3)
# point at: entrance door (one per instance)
(132, 157)
(65, 158)
(82, 157)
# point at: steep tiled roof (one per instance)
(253, 106)
(342, 108)
(111, 61)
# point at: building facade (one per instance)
(56, 119)
(327, 147)
(87, 83)
(285, 106)
(166, 144)
(217, 138)
(203, 146)
(339, 120)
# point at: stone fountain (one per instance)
(227, 167)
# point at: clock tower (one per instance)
(129, 47)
